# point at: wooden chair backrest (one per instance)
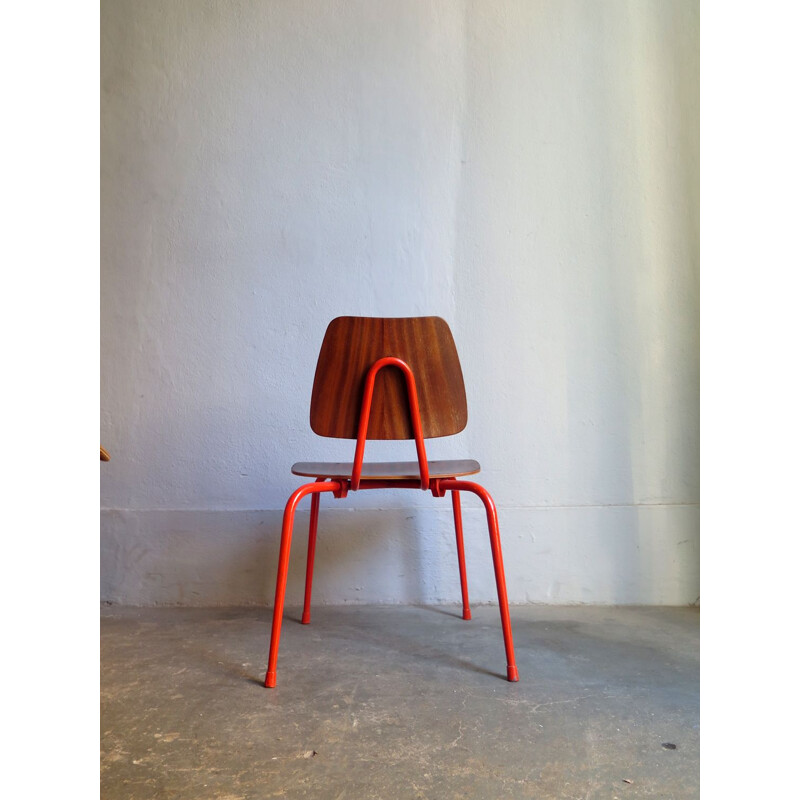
(353, 344)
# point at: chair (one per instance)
(385, 378)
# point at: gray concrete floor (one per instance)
(400, 702)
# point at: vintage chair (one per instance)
(387, 379)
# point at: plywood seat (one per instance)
(386, 470)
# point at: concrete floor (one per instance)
(400, 702)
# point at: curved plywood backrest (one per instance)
(353, 344)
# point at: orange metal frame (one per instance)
(340, 487)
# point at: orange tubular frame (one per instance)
(416, 423)
(340, 486)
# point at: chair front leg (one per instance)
(497, 558)
(462, 564)
(283, 569)
(312, 546)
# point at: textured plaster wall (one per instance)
(526, 170)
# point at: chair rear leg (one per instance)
(462, 564)
(283, 569)
(500, 579)
(280, 593)
(497, 558)
(312, 546)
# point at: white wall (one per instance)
(526, 170)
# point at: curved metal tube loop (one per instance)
(416, 423)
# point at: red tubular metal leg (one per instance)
(497, 558)
(312, 546)
(462, 564)
(283, 569)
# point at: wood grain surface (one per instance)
(353, 344)
(387, 470)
